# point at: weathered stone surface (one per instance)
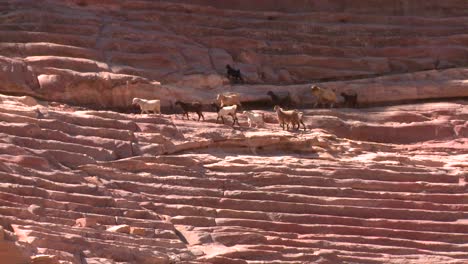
(384, 181)
(119, 229)
(44, 259)
(383, 184)
(11, 253)
(17, 77)
(138, 231)
(205, 81)
(123, 50)
(86, 222)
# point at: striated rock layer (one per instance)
(104, 53)
(383, 184)
(379, 185)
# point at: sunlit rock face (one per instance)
(104, 53)
(85, 178)
(381, 185)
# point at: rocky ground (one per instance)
(373, 185)
(85, 180)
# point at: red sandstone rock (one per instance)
(86, 222)
(269, 47)
(11, 253)
(44, 259)
(371, 185)
(212, 199)
(138, 231)
(119, 229)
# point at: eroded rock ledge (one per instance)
(104, 53)
(381, 185)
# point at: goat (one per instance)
(300, 116)
(233, 74)
(227, 99)
(148, 105)
(191, 107)
(350, 99)
(293, 117)
(324, 95)
(254, 118)
(226, 111)
(285, 102)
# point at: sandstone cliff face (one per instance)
(372, 185)
(379, 185)
(103, 53)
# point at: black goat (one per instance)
(191, 107)
(233, 74)
(284, 102)
(350, 99)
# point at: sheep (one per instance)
(148, 105)
(191, 107)
(350, 99)
(227, 99)
(233, 74)
(293, 117)
(285, 102)
(254, 118)
(324, 96)
(226, 111)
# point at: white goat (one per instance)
(148, 105)
(324, 95)
(254, 118)
(227, 99)
(227, 111)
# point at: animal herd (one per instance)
(229, 104)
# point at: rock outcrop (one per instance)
(83, 183)
(377, 185)
(104, 53)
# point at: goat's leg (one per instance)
(234, 118)
(200, 115)
(293, 124)
(303, 125)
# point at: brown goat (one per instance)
(293, 117)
